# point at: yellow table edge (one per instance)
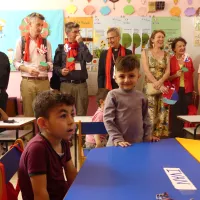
(192, 146)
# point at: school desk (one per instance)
(191, 119)
(137, 173)
(10, 135)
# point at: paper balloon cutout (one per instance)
(105, 1)
(142, 11)
(71, 9)
(89, 10)
(190, 2)
(175, 11)
(114, 1)
(176, 2)
(171, 97)
(71, 59)
(105, 10)
(184, 69)
(129, 10)
(129, 1)
(190, 12)
(198, 12)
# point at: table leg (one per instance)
(33, 129)
(17, 133)
(195, 130)
(75, 148)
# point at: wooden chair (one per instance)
(87, 128)
(9, 165)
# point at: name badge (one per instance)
(77, 66)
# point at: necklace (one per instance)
(179, 58)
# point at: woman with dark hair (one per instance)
(181, 76)
(155, 62)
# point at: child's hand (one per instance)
(123, 144)
(98, 145)
(155, 139)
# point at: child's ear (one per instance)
(100, 101)
(42, 123)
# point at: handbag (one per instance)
(150, 90)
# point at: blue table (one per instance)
(135, 173)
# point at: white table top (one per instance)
(83, 118)
(190, 118)
(20, 121)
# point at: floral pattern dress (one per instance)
(158, 112)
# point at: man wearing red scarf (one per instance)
(28, 57)
(108, 58)
(70, 65)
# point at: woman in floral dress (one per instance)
(156, 67)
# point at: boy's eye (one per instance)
(72, 114)
(121, 76)
(63, 116)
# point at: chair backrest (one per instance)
(88, 128)
(11, 161)
(92, 128)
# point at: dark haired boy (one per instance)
(46, 170)
(126, 109)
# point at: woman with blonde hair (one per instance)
(156, 66)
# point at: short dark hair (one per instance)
(101, 94)
(35, 14)
(70, 25)
(179, 39)
(47, 100)
(127, 63)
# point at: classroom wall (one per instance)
(187, 23)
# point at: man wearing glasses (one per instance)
(70, 65)
(108, 58)
(33, 57)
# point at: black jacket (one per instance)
(4, 70)
(102, 72)
(59, 63)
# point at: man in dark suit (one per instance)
(108, 58)
(4, 78)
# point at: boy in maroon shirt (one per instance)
(46, 161)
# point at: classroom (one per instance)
(99, 99)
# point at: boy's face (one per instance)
(127, 80)
(61, 122)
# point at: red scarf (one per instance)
(109, 58)
(72, 53)
(27, 43)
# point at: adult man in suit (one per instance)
(108, 58)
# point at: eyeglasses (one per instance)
(111, 38)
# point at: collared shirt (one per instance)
(35, 58)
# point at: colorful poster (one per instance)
(196, 31)
(171, 26)
(13, 24)
(131, 28)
